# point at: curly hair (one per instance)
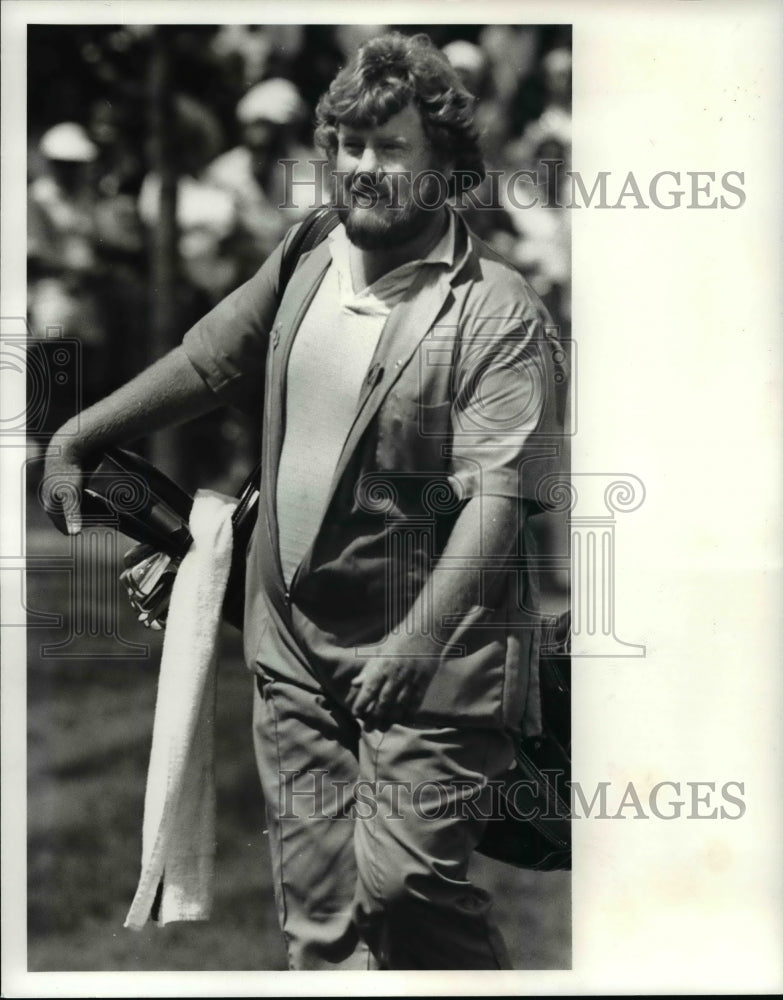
(387, 74)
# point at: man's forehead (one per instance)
(405, 122)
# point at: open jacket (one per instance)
(464, 397)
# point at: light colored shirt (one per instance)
(327, 365)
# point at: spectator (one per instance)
(270, 116)
(252, 52)
(553, 125)
(61, 237)
(482, 210)
(541, 248)
(471, 64)
(205, 212)
(60, 222)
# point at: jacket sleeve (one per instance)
(507, 413)
(228, 346)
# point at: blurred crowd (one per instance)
(242, 99)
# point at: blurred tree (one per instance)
(164, 327)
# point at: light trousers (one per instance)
(371, 834)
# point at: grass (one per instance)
(89, 731)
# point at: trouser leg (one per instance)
(306, 750)
(371, 835)
(414, 903)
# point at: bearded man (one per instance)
(410, 412)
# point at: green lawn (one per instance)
(89, 729)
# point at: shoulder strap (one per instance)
(313, 230)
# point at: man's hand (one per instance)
(392, 684)
(389, 688)
(169, 392)
(62, 482)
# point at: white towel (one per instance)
(178, 843)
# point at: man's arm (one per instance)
(392, 685)
(168, 392)
(221, 358)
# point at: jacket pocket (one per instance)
(412, 429)
(470, 680)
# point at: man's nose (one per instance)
(368, 164)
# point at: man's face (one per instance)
(376, 193)
(261, 137)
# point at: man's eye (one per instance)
(352, 147)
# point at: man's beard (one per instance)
(394, 220)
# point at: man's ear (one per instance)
(447, 171)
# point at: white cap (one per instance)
(276, 101)
(68, 141)
(465, 55)
(557, 61)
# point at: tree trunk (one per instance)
(164, 264)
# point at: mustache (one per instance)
(374, 189)
(369, 182)
(398, 191)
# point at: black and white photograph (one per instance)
(390, 535)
